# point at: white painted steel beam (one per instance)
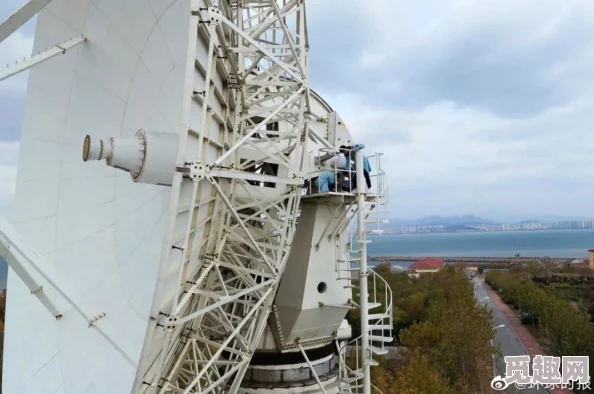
(20, 17)
(315, 136)
(243, 140)
(313, 371)
(17, 263)
(17, 249)
(271, 56)
(363, 274)
(58, 49)
(250, 176)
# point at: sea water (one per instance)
(551, 243)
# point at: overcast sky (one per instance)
(481, 107)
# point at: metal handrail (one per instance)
(348, 370)
(387, 314)
(314, 157)
(388, 302)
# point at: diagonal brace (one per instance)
(58, 49)
(11, 241)
(17, 263)
(258, 127)
(225, 199)
(220, 18)
(20, 17)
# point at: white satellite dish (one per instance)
(159, 181)
(142, 263)
(100, 234)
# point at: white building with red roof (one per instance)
(427, 265)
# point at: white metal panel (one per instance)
(100, 233)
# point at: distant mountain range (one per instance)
(470, 220)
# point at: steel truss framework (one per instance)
(208, 319)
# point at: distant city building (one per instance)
(461, 226)
(591, 255)
(428, 265)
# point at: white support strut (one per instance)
(312, 369)
(20, 17)
(56, 50)
(363, 274)
(17, 263)
(15, 248)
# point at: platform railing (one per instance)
(317, 165)
(377, 212)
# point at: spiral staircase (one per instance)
(379, 317)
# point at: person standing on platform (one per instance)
(338, 166)
(347, 150)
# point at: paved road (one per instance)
(509, 343)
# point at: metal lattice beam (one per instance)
(210, 325)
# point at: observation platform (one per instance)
(338, 197)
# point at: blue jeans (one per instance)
(325, 182)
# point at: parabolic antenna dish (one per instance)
(161, 213)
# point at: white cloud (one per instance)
(15, 48)
(513, 58)
(479, 106)
(13, 90)
(429, 24)
(8, 170)
(462, 159)
(9, 152)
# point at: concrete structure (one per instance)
(591, 258)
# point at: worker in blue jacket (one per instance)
(346, 150)
(325, 182)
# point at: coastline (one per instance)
(474, 260)
(562, 245)
(479, 231)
